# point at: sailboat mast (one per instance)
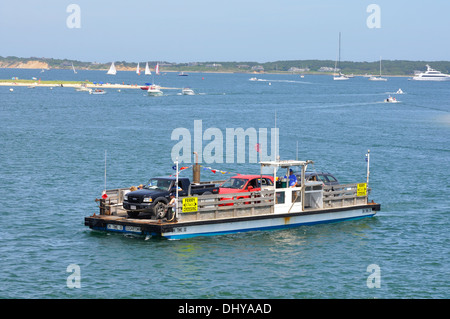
(380, 66)
(339, 50)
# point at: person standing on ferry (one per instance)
(292, 178)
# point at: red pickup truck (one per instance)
(244, 184)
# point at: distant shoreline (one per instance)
(212, 72)
(327, 67)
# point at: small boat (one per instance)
(157, 69)
(341, 76)
(83, 88)
(187, 91)
(391, 99)
(377, 78)
(138, 71)
(97, 91)
(112, 70)
(154, 90)
(73, 68)
(399, 91)
(253, 79)
(182, 74)
(431, 75)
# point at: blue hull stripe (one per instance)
(181, 236)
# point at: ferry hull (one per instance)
(182, 230)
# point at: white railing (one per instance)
(216, 206)
(342, 195)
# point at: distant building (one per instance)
(259, 68)
(214, 65)
(298, 70)
(243, 66)
(327, 69)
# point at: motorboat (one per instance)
(182, 74)
(154, 90)
(83, 88)
(97, 91)
(187, 91)
(391, 99)
(253, 79)
(431, 75)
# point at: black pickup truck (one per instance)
(155, 195)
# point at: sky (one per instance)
(233, 30)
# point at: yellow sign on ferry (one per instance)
(361, 189)
(190, 204)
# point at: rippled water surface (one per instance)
(52, 159)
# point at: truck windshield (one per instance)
(162, 184)
(236, 183)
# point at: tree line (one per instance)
(388, 67)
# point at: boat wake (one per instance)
(283, 81)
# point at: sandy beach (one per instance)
(78, 85)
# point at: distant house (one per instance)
(327, 69)
(214, 65)
(258, 68)
(243, 66)
(298, 70)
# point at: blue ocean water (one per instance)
(52, 159)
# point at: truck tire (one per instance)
(160, 210)
(132, 214)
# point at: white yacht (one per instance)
(187, 91)
(431, 75)
(154, 90)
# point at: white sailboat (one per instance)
(147, 69)
(378, 78)
(157, 69)
(138, 72)
(341, 76)
(73, 68)
(112, 70)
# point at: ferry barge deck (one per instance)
(272, 207)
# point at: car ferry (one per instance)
(269, 206)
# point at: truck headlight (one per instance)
(125, 197)
(147, 200)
